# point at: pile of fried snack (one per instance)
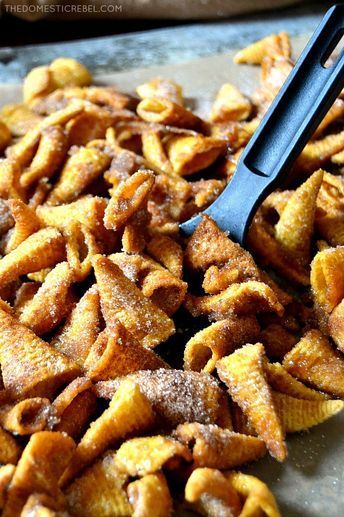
(95, 417)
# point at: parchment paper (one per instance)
(311, 482)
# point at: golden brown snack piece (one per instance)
(99, 491)
(42, 505)
(28, 416)
(128, 197)
(295, 226)
(116, 353)
(60, 73)
(74, 408)
(6, 474)
(10, 450)
(238, 299)
(50, 154)
(30, 367)
(25, 224)
(168, 252)
(154, 152)
(52, 451)
(5, 136)
(164, 111)
(177, 396)
(79, 171)
(129, 412)
(209, 492)
(9, 179)
(280, 380)
(230, 104)
(258, 497)
(273, 46)
(314, 361)
(148, 324)
(277, 340)
(150, 496)
(318, 152)
(261, 240)
(210, 246)
(81, 247)
(88, 210)
(42, 249)
(190, 154)
(19, 118)
(146, 455)
(243, 374)
(51, 303)
(163, 88)
(219, 339)
(336, 325)
(297, 414)
(81, 328)
(219, 448)
(327, 278)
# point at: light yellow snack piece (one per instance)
(190, 154)
(211, 494)
(295, 226)
(298, 414)
(230, 104)
(42, 249)
(314, 361)
(243, 374)
(154, 152)
(148, 324)
(150, 496)
(37, 83)
(146, 455)
(219, 448)
(164, 88)
(272, 46)
(6, 474)
(52, 452)
(163, 111)
(129, 412)
(258, 498)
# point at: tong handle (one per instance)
(296, 112)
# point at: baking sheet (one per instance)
(311, 482)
